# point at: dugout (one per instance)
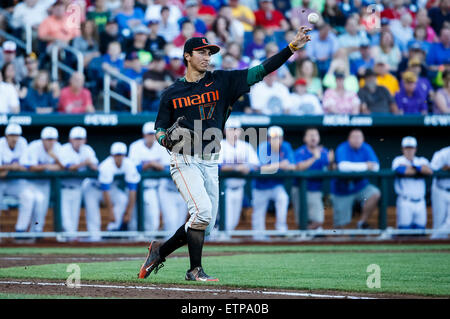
(382, 132)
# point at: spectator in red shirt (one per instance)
(397, 9)
(187, 31)
(207, 13)
(270, 18)
(75, 98)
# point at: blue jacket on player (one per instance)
(266, 157)
(303, 154)
(345, 153)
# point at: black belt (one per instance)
(71, 187)
(444, 189)
(235, 188)
(414, 200)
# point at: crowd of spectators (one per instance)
(365, 57)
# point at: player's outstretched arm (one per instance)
(271, 64)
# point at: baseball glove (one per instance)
(178, 136)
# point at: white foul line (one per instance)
(279, 293)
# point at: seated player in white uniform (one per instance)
(238, 156)
(274, 155)
(440, 194)
(411, 205)
(12, 147)
(147, 155)
(118, 204)
(173, 206)
(41, 155)
(75, 156)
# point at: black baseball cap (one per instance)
(197, 43)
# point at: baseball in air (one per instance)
(313, 18)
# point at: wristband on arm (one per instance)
(161, 138)
(293, 47)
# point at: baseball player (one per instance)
(354, 155)
(74, 156)
(147, 156)
(235, 155)
(204, 99)
(411, 205)
(118, 205)
(12, 148)
(41, 155)
(312, 156)
(440, 193)
(273, 155)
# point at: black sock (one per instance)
(195, 240)
(173, 243)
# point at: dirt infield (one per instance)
(146, 290)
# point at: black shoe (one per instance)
(153, 260)
(363, 225)
(197, 274)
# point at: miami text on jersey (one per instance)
(196, 99)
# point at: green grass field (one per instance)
(405, 269)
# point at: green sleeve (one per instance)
(256, 74)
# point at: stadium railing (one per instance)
(27, 45)
(132, 102)
(383, 177)
(58, 65)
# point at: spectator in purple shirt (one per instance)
(423, 85)
(409, 99)
(256, 48)
(298, 16)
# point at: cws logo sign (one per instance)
(203, 101)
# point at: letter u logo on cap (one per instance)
(204, 41)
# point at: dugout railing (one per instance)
(382, 180)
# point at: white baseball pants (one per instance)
(260, 203)
(21, 190)
(34, 199)
(233, 206)
(440, 201)
(93, 196)
(198, 182)
(411, 213)
(70, 208)
(173, 206)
